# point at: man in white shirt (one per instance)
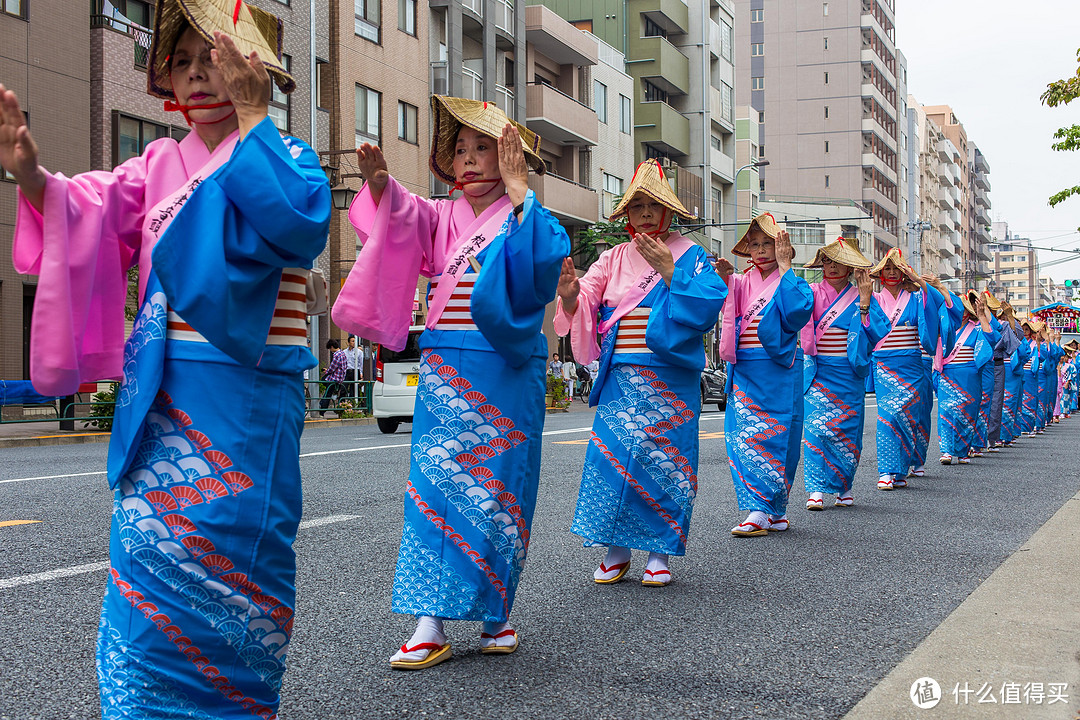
(569, 375)
(354, 368)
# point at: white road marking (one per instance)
(54, 477)
(104, 564)
(352, 450)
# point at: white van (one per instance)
(397, 375)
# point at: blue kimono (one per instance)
(204, 453)
(924, 416)
(1029, 409)
(640, 477)
(763, 424)
(1011, 408)
(899, 378)
(961, 383)
(1051, 353)
(835, 392)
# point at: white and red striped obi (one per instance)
(748, 336)
(288, 326)
(457, 315)
(963, 354)
(901, 337)
(833, 342)
(631, 334)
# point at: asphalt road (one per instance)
(795, 625)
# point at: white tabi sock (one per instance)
(656, 569)
(428, 630)
(609, 567)
(493, 635)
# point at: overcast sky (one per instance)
(990, 60)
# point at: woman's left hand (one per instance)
(657, 254)
(785, 253)
(865, 285)
(512, 165)
(246, 80)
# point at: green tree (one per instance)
(1062, 92)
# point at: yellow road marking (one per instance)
(8, 523)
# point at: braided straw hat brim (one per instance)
(451, 113)
(255, 30)
(991, 300)
(968, 299)
(768, 225)
(841, 251)
(649, 180)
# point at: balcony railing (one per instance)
(504, 16)
(477, 6)
(439, 81)
(141, 35)
(472, 84)
(504, 98)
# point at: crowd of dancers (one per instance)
(224, 226)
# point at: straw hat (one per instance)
(250, 27)
(768, 225)
(970, 299)
(649, 179)
(843, 251)
(897, 258)
(451, 113)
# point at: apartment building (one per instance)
(812, 222)
(613, 157)
(680, 55)
(1015, 275)
(979, 222)
(823, 77)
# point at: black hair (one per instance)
(333, 344)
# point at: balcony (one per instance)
(567, 200)
(721, 113)
(981, 181)
(981, 198)
(476, 6)
(558, 117)
(944, 176)
(723, 166)
(141, 35)
(943, 153)
(504, 16)
(983, 251)
(661, 63)
(440, 84)
(557, 39)
(871, 125)
(870, 159)
(945, 246)
(472, 84)
(662, 126)
(504, 98)
(982, 215)
(672, 15)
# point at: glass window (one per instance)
(367, 116)
(278, 109)
(727, 102)
(826, 112)
(826, 181)
(131, 135)
(757, 16)
(826, 78)
(653, 93)
(600, 100)
(757, 83)
(826, 42)
(406, 122)
(824, 8)
(625, 115)
(761, 116)
(15, 7)
(612, 184)
(757, 49)
(806, 233)
(826, 146)
(727, 41)
(653, 30)
(761, 151)
(717, 205)
(367, 19)
(407, 16)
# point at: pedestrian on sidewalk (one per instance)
(913, 305)
(766, 309)
(568, 373)
(354, 368)
(847, 322)
(494, 256)
(650, 299)
(333, 375)
(205, 445)
(555, 366)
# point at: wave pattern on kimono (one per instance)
(204, 453)
(925, 414)
(763, 424)
(639, 481)
(958, 409)
(835, 401)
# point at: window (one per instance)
(367, 116)
(14, 7)
(727, 103)
(406, 122)
(826, 146)
(653, 93)
(826, 77)
(131, 135)
(612, 184)
(761, 116)
(757, 16)
(757, 49)
(717, 195)
(653, 30)
(826, 181)
(716, 142)
(806, 233)
(825, 9)
(757, 83)
(600, 100)
(626, 124)
(278, 109)
(139, 12)
(761, 151)
(367, 19)
(727, 41)
(406, 16)
(826, 42)
(826, 112)
(761, 185)
(654, 153)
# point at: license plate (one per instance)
(412, 380)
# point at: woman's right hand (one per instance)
(569, 286)
(723, 268)
(373, 167)
(18, 151)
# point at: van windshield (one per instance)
(410, 353)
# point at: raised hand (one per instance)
(657, 254)
(723, 268)
(569, 286)
(512, 165)
(912, 275)
(246, 79)
(865, 285)
(18, 151)
(785, 253)
(372, 165)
